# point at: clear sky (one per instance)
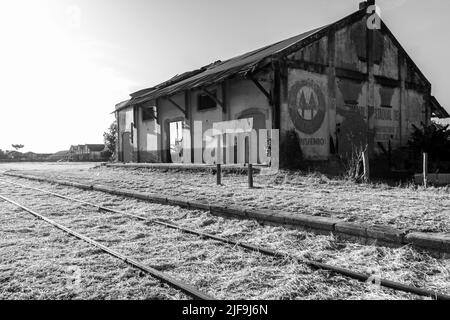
(64, 64)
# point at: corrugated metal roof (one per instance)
(437, 110)
(214, 72)
(218, 71)
(122, 104)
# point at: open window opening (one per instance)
(176, 141)
(205, 102)
(149, 113)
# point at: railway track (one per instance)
(191, 291)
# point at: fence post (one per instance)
(366, 167)
(249, 163)
(219, 174)
(425, 169)
(250, 175)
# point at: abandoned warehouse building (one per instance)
(334, 88)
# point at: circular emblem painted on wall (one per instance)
(306, 106)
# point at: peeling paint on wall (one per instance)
(386, 57)
(386, 118)
(351, 116)
(350, 47)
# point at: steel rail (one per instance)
(266, 251)
(186, 288)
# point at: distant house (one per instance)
(86, 152)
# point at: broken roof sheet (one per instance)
(219, 71)
(122, 104)
(437, 110)
(215, 72)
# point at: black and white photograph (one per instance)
(224, 159)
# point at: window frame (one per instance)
(201, 96)
(152, 113)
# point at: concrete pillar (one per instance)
(331, 72)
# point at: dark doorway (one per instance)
(176, 141)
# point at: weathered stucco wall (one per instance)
(316, 52)
(386, 118)
(351, 116)
(127, 136)
(350, 47)
(149, 141)
(372, 94)
(167, 113)
(385, 56)
(245, 100)
(242, 100)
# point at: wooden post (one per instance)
(250, 175)
(219, 174)
(248, 147)
(425, 169)
(365, 158)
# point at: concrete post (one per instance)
(219, 174)
(250, 175)
(425, 169)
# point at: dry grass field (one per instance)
(38, 261)
(404, 207)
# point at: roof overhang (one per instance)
(254, 61)
(437, 111)
(122, 105)
(221, 70)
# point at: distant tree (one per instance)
(110, 138)
(3, 154)
(17, 146)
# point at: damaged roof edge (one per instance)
(437, 110)
(242, 64)
(248, 62)
(217, 73)
(121, 105)
(221, 70)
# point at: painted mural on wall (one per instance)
(307, 106)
